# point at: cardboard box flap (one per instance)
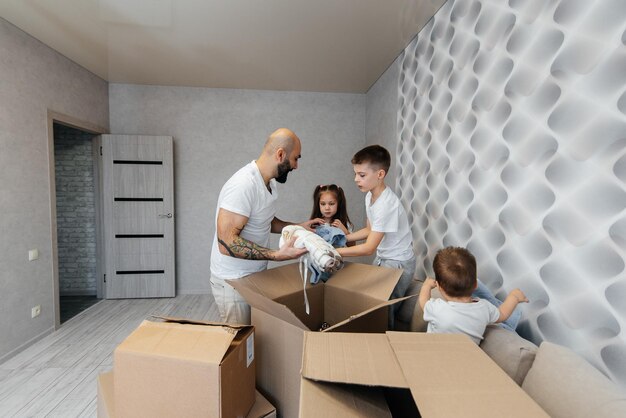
(200, 322)
(273, 283)
(181, 341)
(376, 282)
(363, 359)
(261, 408)
(322, 399)
(449, 375)
(372, 309)
(247, 290)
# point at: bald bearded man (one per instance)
(246, 214)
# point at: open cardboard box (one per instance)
(106, 400)
(185, 368)
(354, 299)
(355, 375)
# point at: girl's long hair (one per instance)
(342, 209)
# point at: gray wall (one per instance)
(217, 131)
(76, 210)
(512, 122)
(381, 121)
(33, 79)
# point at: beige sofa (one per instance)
(560, 381)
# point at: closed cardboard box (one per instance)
(355, 299)
(106, 400)
(185, 368)
(439, 375)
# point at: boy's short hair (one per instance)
(375, 155)
(455, 271)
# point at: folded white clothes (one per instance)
(322, 257)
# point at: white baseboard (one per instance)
(193, 291)
(24, 346)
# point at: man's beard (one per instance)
(283, 171)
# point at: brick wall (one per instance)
(76, 212)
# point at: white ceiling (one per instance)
(301, 45)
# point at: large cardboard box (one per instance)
(439, 375)
(106, 397)
(262, 408)
(185, 368)
(355, 299)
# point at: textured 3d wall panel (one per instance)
(512, 124)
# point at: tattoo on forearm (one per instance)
(242, 248)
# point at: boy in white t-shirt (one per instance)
(387, 232)
(459, 311)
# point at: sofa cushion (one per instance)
(566, 385)
(407, 309)
(514, 354)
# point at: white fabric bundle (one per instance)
(321, 256)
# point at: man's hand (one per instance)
(288, 251)
(312, 223)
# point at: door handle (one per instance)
(166, 215)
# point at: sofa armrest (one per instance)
(514, 354)
(566, 385)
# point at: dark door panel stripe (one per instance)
(144, 162)
(138, 199)
(139, 236)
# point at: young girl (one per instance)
(329, 203)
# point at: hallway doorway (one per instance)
(76, 218)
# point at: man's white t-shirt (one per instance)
(245, 194)
(447, 317)
(387, 215)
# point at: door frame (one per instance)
(66, 120)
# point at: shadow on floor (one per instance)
(73, 305)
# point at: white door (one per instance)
(138, 201)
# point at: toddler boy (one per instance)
(459, 311)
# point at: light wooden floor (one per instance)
(56, 377)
